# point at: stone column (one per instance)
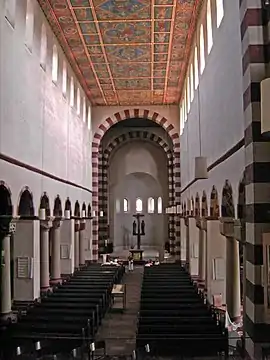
(67, 252)
(183, 240)
(77, 244)
(56, 260)
(45, 226)
(82, 243)
(216, 257)
(202, 249)
(193, 247)
(88, 239)
(187, 244)
(233, 295)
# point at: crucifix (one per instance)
(138, 228)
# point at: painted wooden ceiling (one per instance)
(126, 52)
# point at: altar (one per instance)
(137, 254)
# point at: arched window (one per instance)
(29, 25)
(196, 68)
(159, 205)
(151, 205)
(209, 27)
(54, 64)
(84, 110)
(43, 46)
(64, 78)
(117, 206)
(89, 118)
(78, 102)
(71, 99)
(220, 11)
(202, 51)
(139, 205)
(10, 11)
(188, 94)
(125, 205)
(182, 120)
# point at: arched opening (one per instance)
(159, 205)
(29, 25)
(214, 204)
(45, 204)
(192, 207)
(227, 206)
(197, 205)
(125, 205)
(6, 243)
(241, 217)
(26, 205)
(151, 205)
(57, 209)
(54, 64)
(84, 208)
(89, 211)
(43, 47)
(77, 209)
(185, 209)
(64, 78)
(139, 205)
(68, 206)
(204, 207)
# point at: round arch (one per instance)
(89, 211)
(68, 206)
(57, 208)
(26, 203)
(45, 204)
(227, 205)
(197, 205)
(103, 128)
(6, 208)
(77, 211)
(192, 207)
(104, 157)
(214, 203)
(204, 206)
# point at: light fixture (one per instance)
(67, 214)
(18, 351)
(92, 347)
(83, 213)
(74, 352)
(147, 348)
(94, 213)
(42, 214)
(37, 346)
(134, 356)
(265, 107)
(101, 213)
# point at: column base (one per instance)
(56, 281)
(45, 289)
(10, 315)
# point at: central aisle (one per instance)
(119, 329)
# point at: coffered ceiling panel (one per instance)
(126, 52)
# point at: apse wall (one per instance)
(38, 126)
(216, 112)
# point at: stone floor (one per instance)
(118, 329)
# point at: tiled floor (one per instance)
(119, 329)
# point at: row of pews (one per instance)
(174, 318)
(65, 319)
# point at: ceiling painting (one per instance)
(126, 52)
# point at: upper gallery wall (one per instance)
(126, 52)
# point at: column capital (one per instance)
(227, 226)
(46, 224)
(57, 222)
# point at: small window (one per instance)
(159, 205)
(209, 27)
(78, 102)
(188, 94)
(185, 102)
(43, 47)
(89, 118)
(55, 64)
(10, 11)
(151, 205)
(29, 25)
(71, 99)
(181, 119)
(202, 51)
(139, 205)
(196, 69)
(125, 205)
(191, 77)
(220, 11)
(64, 78)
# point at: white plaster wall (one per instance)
(37, 125)
(101, 113)
(137, 169)
(220, 118)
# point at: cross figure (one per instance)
(138, 228)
